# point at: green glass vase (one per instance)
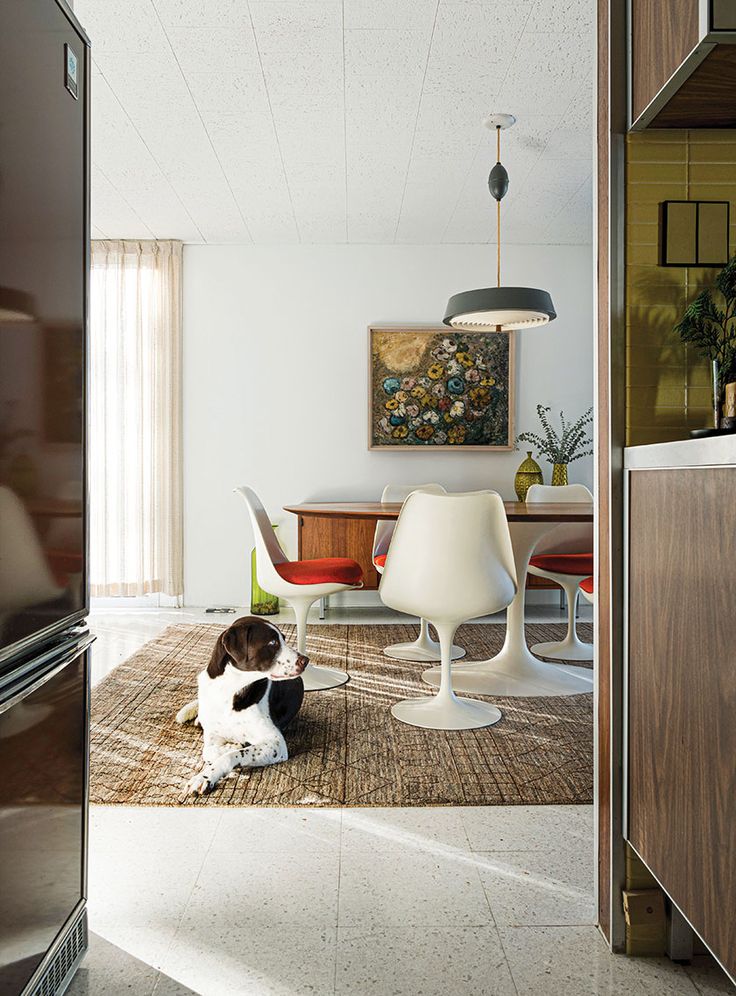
(559, 474)
(262, 603)
(528, 473)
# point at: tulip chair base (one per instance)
(569, 649)
(515, 673)
(439, 712)
(319, 679)
(419, 652)
(424, 649)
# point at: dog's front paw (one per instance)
(199, 784)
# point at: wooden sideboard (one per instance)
(681, 772)
(346, 530)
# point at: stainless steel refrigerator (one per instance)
(44, 643)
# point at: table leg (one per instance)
(515, 670)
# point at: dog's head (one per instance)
(255, 645)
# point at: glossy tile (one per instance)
(282, 889)
(278, 831)
(528, 828)
(247, 956)
(460, 961)
(575, 961)
(109, 970)
(417, 830)
(539, 887)
(393, 885)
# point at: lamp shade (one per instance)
(499, 309)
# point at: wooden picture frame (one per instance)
(433, 377)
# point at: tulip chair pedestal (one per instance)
(316, 678)
(445, 711)
(424, 649)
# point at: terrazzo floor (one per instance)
(376, 902)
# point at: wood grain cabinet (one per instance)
(682, 692)
(683, 63)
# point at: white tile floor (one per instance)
(375, 902)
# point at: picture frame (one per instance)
(444, 401)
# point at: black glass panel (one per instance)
(42, 760)
(42, 307)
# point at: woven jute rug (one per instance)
(345, 747)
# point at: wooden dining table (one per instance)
(514, 670)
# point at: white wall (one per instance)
(275, 380)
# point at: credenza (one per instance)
(346, 529)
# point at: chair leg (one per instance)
(423, 649)
(445, 711)
(571, 648)
(315, 678)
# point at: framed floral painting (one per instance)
(440, 388)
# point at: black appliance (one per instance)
(44, 645)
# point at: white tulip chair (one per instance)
(424, 648)
(300, 583)
(564, 555)
(450, 560)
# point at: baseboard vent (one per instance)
(58, 972)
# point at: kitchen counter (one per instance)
(713, 451)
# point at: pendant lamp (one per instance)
(499, 309)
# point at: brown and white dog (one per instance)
(249, 692)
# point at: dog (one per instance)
(247, 695)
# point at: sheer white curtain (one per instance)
(135, 464)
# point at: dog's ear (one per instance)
(236, 641)
(219, 658)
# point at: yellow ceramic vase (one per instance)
(528, 473)
(559, 474)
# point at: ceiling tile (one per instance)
(215, 50)
(293, 74)
(416, 15)
(321, 120)
(228, 93)
(201, 13)
(139, 31)
(285, 27)
(386, 52)
(112, 213)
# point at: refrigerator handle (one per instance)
(27, 690)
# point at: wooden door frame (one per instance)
(610, 401)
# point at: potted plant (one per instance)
(571, 443)
(709, 326)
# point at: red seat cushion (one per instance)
(326, 570)
(587, 585)
(380, 560)
(564, 563)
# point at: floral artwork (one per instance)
(440, 388)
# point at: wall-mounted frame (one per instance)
(694, 233)
(430, 387)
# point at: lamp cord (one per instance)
(498, 213)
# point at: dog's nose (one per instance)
(301, 662)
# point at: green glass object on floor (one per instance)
(559, 474)
(528, 473)
(262, 603)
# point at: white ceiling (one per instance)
(339, 120)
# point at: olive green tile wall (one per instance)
(667, 384)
